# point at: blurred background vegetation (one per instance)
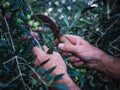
(97, 21)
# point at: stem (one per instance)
(110, 26)
(9, 60)
(111, 44)
(20, 73)
(38, 76)
(7, 39)
(22, 59)
(9, 34)
(73, 23)
(38, 43)
(13, 79)
(14, 58)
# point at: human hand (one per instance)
(82, 51)
(55, 60)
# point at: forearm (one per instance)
(110, 66)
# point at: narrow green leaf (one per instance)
(40, 69)
(81, 25)
(77, 14)
(87, 21)
(27, 50)
(86, 9)
(51, 79)
(58, 77)
(43, 63)
(60, 86)
(49, 71)
(66, 20)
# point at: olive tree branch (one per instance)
(9, 34)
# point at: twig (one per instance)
(110, 26)
(7, 38)
(9, 60)
(22, 59)
(9, 34)
(113, 42)
(38, 43)
(38, 76)
(111, 52)
(13, 79)
(73, 23)
(20, 73)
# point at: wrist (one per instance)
(101, 58)
(109, 65)
(66, 80)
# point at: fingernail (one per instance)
(44, 46)
(61, 45)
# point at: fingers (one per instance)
(67, 47)
(78, 63)
(41, 55)
(36, 51)
(76, 40)
(74, 59)
(66, 54)
(64, 39)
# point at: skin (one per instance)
(55, 60)
(85, 53)
(82, 53)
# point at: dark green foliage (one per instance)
(97, 21)
(17, 38)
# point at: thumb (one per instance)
(67, 47)
(45, 48)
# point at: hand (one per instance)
(82, 51)
(55, 60)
